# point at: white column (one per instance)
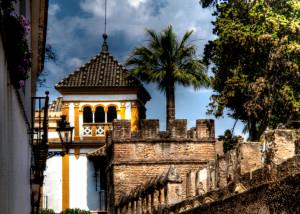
(128, 111)
(71, 114)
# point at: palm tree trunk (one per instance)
(170, 94)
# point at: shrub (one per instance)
(46, 211)
(75, 211)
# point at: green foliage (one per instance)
(165, 60)
(208, 3)
(229, 140)
(75, 211)
(46, 211)
(256, 59)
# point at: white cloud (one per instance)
(74, 62)
(97, 8)
(193, 28)
(136, 3)
(53, 9)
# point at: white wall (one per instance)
(52, 189)
(83, 192)
(14, 146)
(82, 183)
(107, 97)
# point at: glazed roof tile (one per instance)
(101, 71)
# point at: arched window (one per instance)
(99, 115)
(87, 115)
(111, 113)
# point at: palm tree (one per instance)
(166, 61)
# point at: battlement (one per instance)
(247, 166)
(149, 130)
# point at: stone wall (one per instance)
(280, 145)
(265, 191)
(252, 178)
(136, 157)
(244, 158)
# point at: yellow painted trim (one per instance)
(94, 129)
(77, 152)
(65, 182)
(76, 123)
(134, 117)
(98, 105)
(86, 105)
(117, 107)
(122, 112)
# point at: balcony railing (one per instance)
(39, 139)
(95, 129)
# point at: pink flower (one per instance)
(25, 24)
(22, 83)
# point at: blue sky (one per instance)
(75, 30)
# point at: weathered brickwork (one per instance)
(159, 151)
(253, 178)
(136, 157)
(265, 191)
(281, 144)
(186, 171)
(127, 177)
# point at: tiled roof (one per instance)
(101, 71)
(55, 105)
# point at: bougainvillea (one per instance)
(15, 30)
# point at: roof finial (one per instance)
(105, 45)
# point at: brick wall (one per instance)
(136, 157)
(160, 151)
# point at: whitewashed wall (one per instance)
(83, 192)
(14, 147)
(52, 189)
(82, 183)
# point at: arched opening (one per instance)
(99, 115)
(87, 115)
(111, 113)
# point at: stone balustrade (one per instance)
(95, 129)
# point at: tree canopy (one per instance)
(255, 60)
(165, 60)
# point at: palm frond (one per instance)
(166, 57)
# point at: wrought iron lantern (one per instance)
(65, 131)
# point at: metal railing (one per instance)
(39, 140)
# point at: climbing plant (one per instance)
(14, 32)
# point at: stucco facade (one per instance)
(15, 111)
(15, 152)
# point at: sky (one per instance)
(75, 29)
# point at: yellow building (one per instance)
(92, 97)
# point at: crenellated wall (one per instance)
(247, 179)
(231, 181)
(136, 157)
